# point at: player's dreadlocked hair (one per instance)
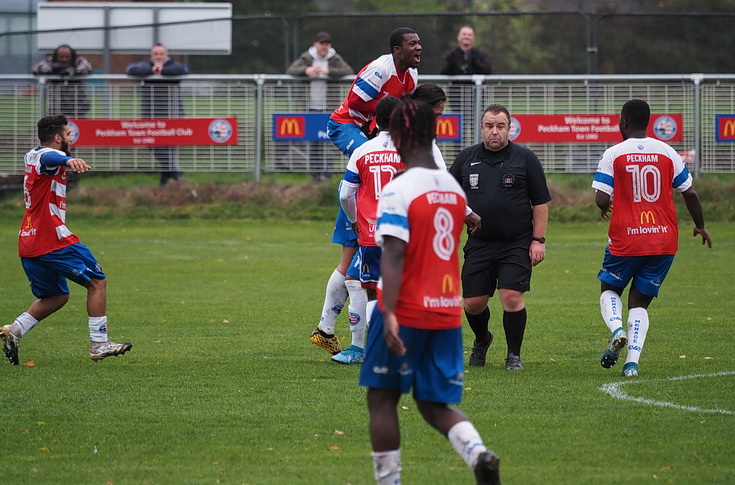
(412, 126)
(49, 126)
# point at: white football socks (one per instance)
(357, 310)
(98, 329)
(24, 323)
(334, 302)
(637, 331)
(387, 466)
(466, 442)
(611, 308)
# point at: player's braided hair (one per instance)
(48, 126)
(412, 126)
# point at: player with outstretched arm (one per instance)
(50, 253)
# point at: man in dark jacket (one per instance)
(466, 58)
(161, 99)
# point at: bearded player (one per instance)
(49, 252)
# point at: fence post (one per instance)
(697, 78)
(41, 93)
(259, 81)
(478, 108)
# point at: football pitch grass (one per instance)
(223, 386)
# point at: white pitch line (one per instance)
(613, 389)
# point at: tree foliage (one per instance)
(521, 36)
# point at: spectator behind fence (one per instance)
(161, 99)
(319, 62)
(466, 58)
(65, 96)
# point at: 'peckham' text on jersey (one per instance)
(383, 157)
(642, 157)
(442, 198)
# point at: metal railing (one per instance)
(253, 99)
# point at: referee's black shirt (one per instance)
(502, 187)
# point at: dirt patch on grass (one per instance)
(183, 193)
(315, 200)
(565, 197)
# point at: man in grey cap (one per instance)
(319, 62)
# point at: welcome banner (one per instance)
(151, 132)
(583, 128)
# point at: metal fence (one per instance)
(253, 99)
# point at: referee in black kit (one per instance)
(506, 186)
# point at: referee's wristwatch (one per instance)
(541, 239)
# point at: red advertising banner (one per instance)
(156, 131)
(581, 128)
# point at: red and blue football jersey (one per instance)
(641, 174)
(372, 165)
(44, 188)
(375, 81)
(426, 209)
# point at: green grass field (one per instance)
(223, 386)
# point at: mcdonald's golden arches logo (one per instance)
(447, 284)
(728, 130)
(290, 127)
(448, 128)
(444, 127)
(648, 217)
(725, 127)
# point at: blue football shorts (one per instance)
(647, 272)
(343, 233)
(48, 273)
(432, 366)
(354, 269)
(345, 136)
(369, 265)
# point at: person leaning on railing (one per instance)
(66, 96)
(161, 99)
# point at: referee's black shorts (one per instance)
(491, 265)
